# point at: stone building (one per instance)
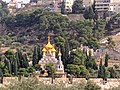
(11, 6)
(49, 56)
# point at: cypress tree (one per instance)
(35, 56)
(104, 73)
(15, 67)
(106, 60)
(77, 7)
(17, 59)
(9, 66)
(25, 61)
(63, 11)
(39, 53)
(88, 13)
(100, 71)
(1, 75)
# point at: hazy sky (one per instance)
(17, 0)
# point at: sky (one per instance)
(17, 0)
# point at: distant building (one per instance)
(87, 3)
(68, 5)
(103, 6)
(13, 5)
(87, 50)
(114, 7)
(53, 5)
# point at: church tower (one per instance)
(60, 66)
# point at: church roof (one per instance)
(49, 46)
(53, 50)
(44, 50)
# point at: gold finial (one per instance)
(59, 53)
(48, 39)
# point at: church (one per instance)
(49, 56)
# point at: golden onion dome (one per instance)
(44, 50)
(59, 53)
(53, 50)
(48, 46)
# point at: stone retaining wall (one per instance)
(65, 81)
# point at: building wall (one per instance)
(102, 5)
(88, 2)
(68, 5)
(107, 5)
(114, 7)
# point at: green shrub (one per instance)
(92, 86)
(7, 75)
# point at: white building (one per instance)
(115, 7)
(87, 3)
(68, 5)
(107, 5)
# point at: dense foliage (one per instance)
(39, 23)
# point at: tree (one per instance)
(35, 59)
(9, 54)
(100, 71)
(73, 69)
(39, 52)
(106, 60)
(77, 70)
(74, 44)
(106, 74)
(25, 61)
(2, 65)
(77, 7)
(60, 41)
(90, 63)
(88, 13)
(63, 11)
(8, 65)
(77, 57)
(93, 43)
(15, 68)
(18, 56)
(99, 29)
(83, 72)
(51, 69)
(1, 76)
